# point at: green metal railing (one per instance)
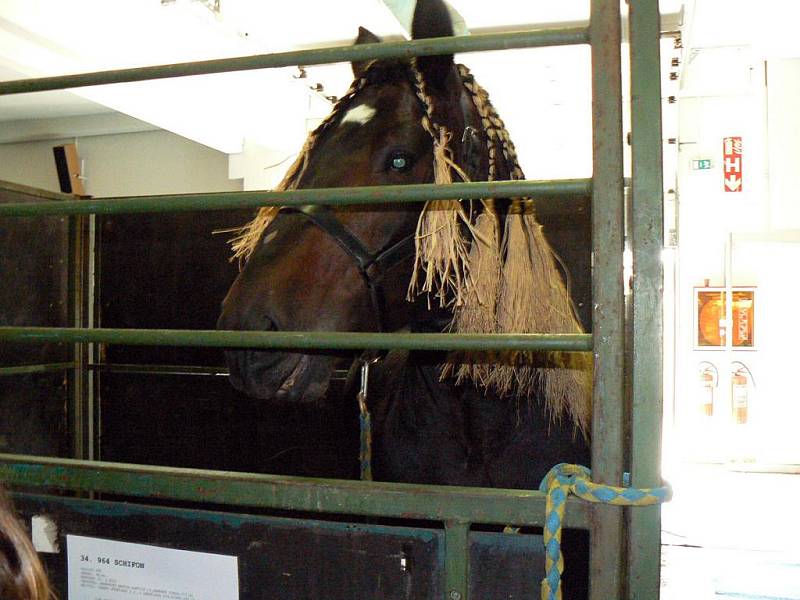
(365, 498)
(300, 340)
(456, 507)
(318, 56)
(330, 196)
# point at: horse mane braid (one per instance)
(507, 283)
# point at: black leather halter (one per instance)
(371, 265)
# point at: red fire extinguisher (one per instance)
(708, 381)
(740, 384)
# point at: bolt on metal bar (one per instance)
(331, 196)
(301, 340)
(367, 498)
(34, 369)
(318, 56)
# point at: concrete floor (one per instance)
(730, 534)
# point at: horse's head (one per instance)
(348, 268)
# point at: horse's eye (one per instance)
(400, 162)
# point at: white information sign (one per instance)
(101, 569)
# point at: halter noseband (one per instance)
(371, 265)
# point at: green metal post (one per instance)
(606, 557)
(644, 537)
(456, 557)
(81, 406)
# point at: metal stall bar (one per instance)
(606, 554)
(456, 556)
(303, 340)
(331, 196)
(81, 409)
(644, 535)
(31, 369)
(317, 56)
(365, 498)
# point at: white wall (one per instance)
(734, 91)
(783, 76)
(153, 162)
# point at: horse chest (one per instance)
(429, 431)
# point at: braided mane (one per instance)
(494, 282)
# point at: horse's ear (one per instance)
(432, 19)
(365, 36)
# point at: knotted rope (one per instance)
(564, 479)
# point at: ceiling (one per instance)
(48, 37)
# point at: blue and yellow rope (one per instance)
(564, 479)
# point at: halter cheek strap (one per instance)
(371, 265)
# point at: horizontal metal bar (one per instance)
(235, 520)
(317, 56)
(331, 196)
(32, 369)
(393, 500)
(182, 370)
(301, 340)
(147, 369)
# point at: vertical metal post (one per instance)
(606, 558)
(644, 536)
(456, 560)
(81, 405)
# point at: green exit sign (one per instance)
(701, 164)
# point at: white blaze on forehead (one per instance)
(361, 114)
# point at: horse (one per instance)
(494, 419)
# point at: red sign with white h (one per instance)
(732, 163)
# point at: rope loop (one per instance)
(564, 479)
